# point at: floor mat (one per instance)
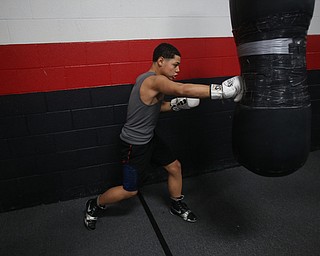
(58, 230)
(241, 213)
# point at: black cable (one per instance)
(155, 226)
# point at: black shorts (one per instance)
(137, 158)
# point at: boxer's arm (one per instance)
(230, 88)
(165, 106)
(165, 86)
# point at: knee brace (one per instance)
(130, 178)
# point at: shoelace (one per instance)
(89, 217)
(92, 210)
(182, 206)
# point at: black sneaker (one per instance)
(91, 214)
(180, 209)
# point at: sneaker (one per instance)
(180, 209)
(91, 214)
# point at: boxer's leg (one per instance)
(111, 196)
(131, 165)
(178, 207)
(163, 156)
(174, 178)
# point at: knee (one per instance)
(174, 168)
(129, 194)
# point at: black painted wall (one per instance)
(314, 89)
(63, 145)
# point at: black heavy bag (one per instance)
(271, 126)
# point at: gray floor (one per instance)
(240, 213)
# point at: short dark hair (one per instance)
(166, 51)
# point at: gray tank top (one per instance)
(141, 118)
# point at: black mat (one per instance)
(241, 213)
(58, 230)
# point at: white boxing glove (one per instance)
(230, 88)
(184, 103)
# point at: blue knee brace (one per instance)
(130, 178)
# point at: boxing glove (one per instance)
(230, 88)
(184, 103)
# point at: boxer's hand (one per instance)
(230, 88)
(184, 103)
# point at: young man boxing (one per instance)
(140, 145)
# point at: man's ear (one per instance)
(160, 61)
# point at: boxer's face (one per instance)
(170, 67)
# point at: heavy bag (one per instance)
(272, 123)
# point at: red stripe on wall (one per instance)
(61, 66)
